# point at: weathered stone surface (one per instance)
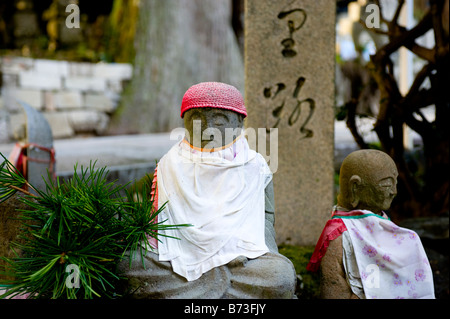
(33, 97)
(16, 124)
(85, 83)
(113, 71)
(4, 123)
(333, 284)
(81, 69)
(115, 85)
(10, 80)
(64, 99)
(289, 69)
(16, 65)
(55, 86)
(34, 80)
(88, 121)
(51, 67)
(98, 102)
(59, 122)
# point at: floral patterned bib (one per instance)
(391, 260)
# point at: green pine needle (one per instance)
(11, 180)
(85, 222)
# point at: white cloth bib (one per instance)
(391, 262)
(222, 195)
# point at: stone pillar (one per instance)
(289, 85)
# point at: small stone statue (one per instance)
(215, 182)
(361, 254)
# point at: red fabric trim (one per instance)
(332, 230)
(19, 158)
(154, 190)
(154, 196)
(21, 164)
(338, 213)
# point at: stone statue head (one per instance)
(212, 128)
(213, 114)
(368, 180)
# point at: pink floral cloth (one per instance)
(23, 296)
(391, 260)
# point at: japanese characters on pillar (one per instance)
(289, 86)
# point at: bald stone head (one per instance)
(368, 180)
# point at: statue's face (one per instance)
(210, 128)
(379, 191)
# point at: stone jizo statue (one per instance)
(361, 253)
(215, 182)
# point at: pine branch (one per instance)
(83, 222)
(22, 190)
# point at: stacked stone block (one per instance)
(75, 97)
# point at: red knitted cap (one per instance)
(213, 94)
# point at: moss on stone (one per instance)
(308, 283)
